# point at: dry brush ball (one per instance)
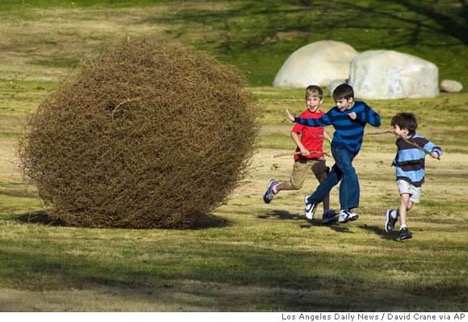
(146, 133)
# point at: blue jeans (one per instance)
(343, 171)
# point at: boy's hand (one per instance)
(305, 152)
(352, 115)
(289, 115)
(435, 155)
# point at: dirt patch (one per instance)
(9, 163)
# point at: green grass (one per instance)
(12, 5)
(349, 273)
(263, 258)
(258, 257)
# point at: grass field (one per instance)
(256, 257)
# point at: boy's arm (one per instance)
(322, 121)
(435, 150)
(368, 115)
(289, 115)
(297, 140)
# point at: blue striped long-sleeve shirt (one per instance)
(348, 133)
(410, 159)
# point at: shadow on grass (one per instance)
(209, 221)
(281, 215)
(381, 232)
(206, 272)
(262, 282)
(41, 217)
(304, 223)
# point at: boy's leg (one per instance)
(321, 192)
(409, 194)
(349, 186)
(324, 188)
(391, 216)
(284, 185)
(402, 211)
(320, 170)
(298, 176)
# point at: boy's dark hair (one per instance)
(405, 121)
(313, 90)
(343, 91)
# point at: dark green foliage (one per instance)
(145, 134)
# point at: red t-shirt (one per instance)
(311, 137)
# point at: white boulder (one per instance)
(316, 64)
(451, 86)
(387, 74)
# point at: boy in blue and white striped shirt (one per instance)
(410, 168)
(348, 117)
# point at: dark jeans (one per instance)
(343, 171)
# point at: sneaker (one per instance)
(405, 234)
(346, 215)
(269, 195)
(329, 217)
(390, 221)
(310, 208)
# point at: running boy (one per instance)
(410, 165)
(348, 117)
(309, 151)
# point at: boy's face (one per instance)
(313, 102)
(344, 103)
(400, 132)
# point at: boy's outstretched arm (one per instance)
(308, 122)
(289, 115)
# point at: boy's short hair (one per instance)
(313, 90)
(343, 91)
(405, 121)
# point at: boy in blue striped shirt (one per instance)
(410, 168)
(348, 117)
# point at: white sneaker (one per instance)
(309, 208)
(346, 216)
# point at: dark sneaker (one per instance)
(346, 215)
(390, 221)
(405, 234)
(310, 208)
(329, 217)
(269, 195)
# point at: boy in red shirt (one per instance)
(309, 153)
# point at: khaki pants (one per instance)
(302, 167)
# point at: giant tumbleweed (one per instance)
(144, 133)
